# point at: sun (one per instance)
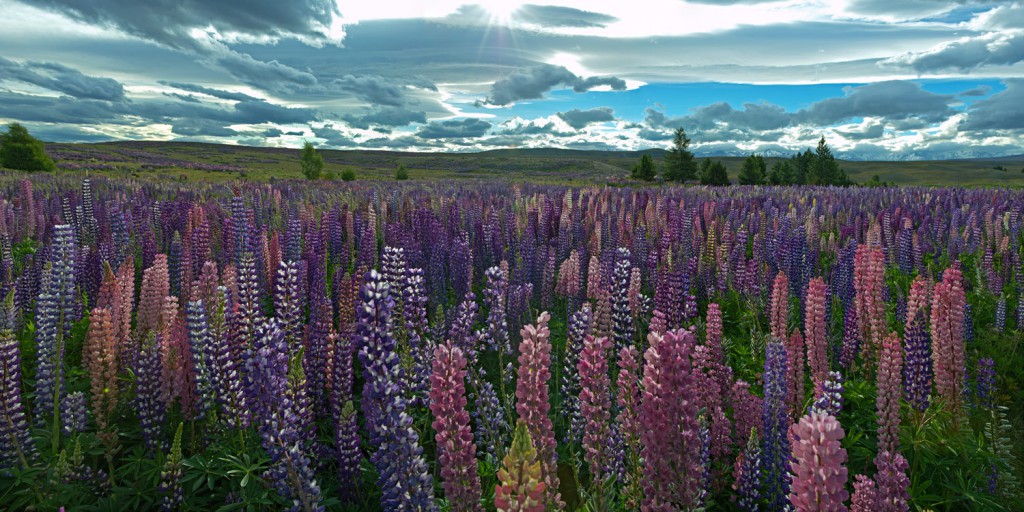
(501, 11)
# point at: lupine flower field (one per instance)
(477, 346)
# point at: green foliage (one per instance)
(348, 174)
(713, 173)
(645, 169)
(754, 171)
(401, 173)
(680, 164)
(23, 152)
(312, 162)
(875, 181)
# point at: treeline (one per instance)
(817, 167)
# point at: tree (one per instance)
(680, 164)
(21, 151)
(754, 171)
(401, 173)
(348, 174)
(714, 173)
(312, 162)
(645, 169)
(825, 170)
(782, 173)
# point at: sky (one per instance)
(879, 79)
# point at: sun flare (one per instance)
(501, 11)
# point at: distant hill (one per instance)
(218, 162)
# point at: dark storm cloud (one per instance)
(216, 93)
(63, 79)
(557, 16)
(534, 82)
(171, 23)
(579, 119)
(1003, 110)
(891, 100)
(454, 128)
(386, 116)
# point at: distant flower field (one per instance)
(496, 346)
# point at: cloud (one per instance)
(872, 131)
(453, 128)
(1003, 110)
(174, 24)
(579, 119)
(534, 82)
(654, 135)
(386, 116)
(981, 90)
(558, 16)
(216, 93)
(272, 133)
(60, 78)
(374, 89)
(520, 126)
(905, 10)
(891, 100)
(333, 136)
(966, 54)
(201, 127)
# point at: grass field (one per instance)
(213, 162)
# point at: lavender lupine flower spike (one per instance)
(775, 455)
(404, 477)
(16, 444)
(622, 318)
(917, 365)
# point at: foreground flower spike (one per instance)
(171, 475)
(887, 402)
(16, 444)
(404, 476)
(917, 365)
(73, 413)
(868, 281)
(579, 325)
(622, 317)
(456, 451)
(595, 403)
(865, 495)
(818, 468)
(795, 374)
(747, 475)
(775, 454)
(779, 312)
(103, 366)
(520, 486)
(672, 471)
(147, 403)
(815, 332)
(892, 482)
(830, 398)
(532, 402)
(947, 329)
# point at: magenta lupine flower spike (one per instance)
(818, 466)
(892, 482)
(532, 403)
(918, 300)
(668, 424)
(815, 332)
(595, 403)
(795, 374)
(779, 312)
(890, 376)
(947, 323)
(456, 451)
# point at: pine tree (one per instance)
(754, 171)
(714, 173)
(645, 169)
(680, 164)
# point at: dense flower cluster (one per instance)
(819, 464)
(456, 451)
